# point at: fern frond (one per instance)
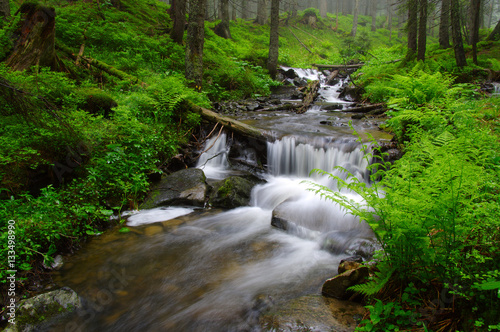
(374, 286)
(443, 139)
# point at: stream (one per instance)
(182, 268)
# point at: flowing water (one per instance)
(186, 269)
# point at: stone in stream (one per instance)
(313, 313)
(337, 286)
(349, 242)
(232, 192)
(40, 312)
(187, 186)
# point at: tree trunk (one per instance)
(389, 17)
(272, 62)
(474, 35)
(261, 12)
(444, 25)
(374, 14)
(222, 29)
(412, 29)
(178, 11)
(458, 45)
(355, 19)
(244, 9)
(495, 34)
(36, 42)
(194, 42)
(422, 31)
(233, 12)
(323, 8)
(294, 8)
(4, 9)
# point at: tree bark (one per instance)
(355, 19)
(261, 12)
(373, 4)
(458, 45)
(422, 31)
(178, 11)
(495, 34)
(323, 8)
(272, 62)
(4, 9)
(244, 9)
(412, 29)
(36, 42)
(444, 25)
(195, 41)
(474, 35)
(222, 29)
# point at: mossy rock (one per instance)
(185, 187)
(231, 193)
(40, 312)
(97, 102)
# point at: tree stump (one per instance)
(35, 43)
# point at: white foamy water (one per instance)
(150, 216)
(213, 161)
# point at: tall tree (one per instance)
(456, 33)
(244, 9)
(195, 41)
(389, 17)
(355, 19)
(4, 9)
(474, 34)
(373, 8)
(422, 30)
(444, 24)
(222, 29)
(272, 62)
(178, 11)
(261, 12)
(412, 27)
(323, 8)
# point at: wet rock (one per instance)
(299, 82)
(313, 313)
(337, 286)
(333, 107)
(153, 230)
(349, 263)
(252, 107)
(56, 264)
(40, 312)
(349, 242)
(325, 122)
(231, 193)
(184, 187)
(351, 93)
(280, 221)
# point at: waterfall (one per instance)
(213, 161)
(496, 87)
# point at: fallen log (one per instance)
(365, 108)
(331, 77)
(301, 43)
(338, 67)
(231, 124)
(284, 107)
(310, 94)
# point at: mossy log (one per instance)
(101, 65)
(310, 94)
(35, 44)
(231, 124)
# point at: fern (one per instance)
(445, 138)
(374, 286)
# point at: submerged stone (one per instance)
(187, 186)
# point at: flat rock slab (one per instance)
(314, 313)
(184, 187)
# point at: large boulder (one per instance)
(184, 187)
(231, 193)
(337, 286)
(41, 311)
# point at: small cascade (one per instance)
(213, 161)
(291, 158)
(496, 87)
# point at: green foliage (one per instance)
(387, 317)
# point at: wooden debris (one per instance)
(331, 77)
(310, 94)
